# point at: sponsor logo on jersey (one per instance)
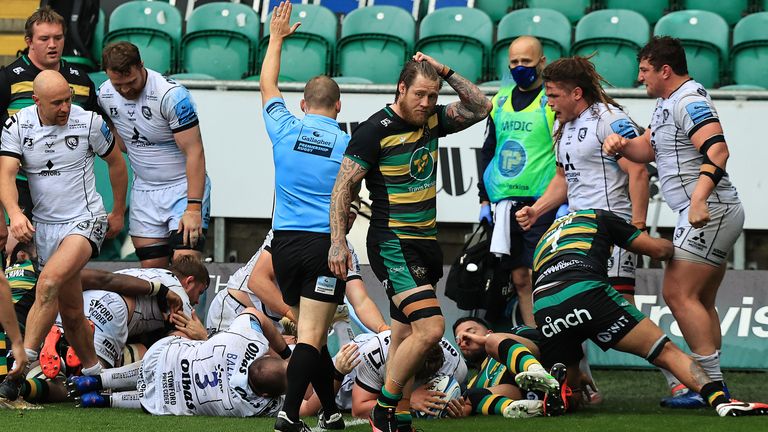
(582, 134)
(28, 143)
(386, 122)
(74, 72)
(84, 225)
(186, 384)
(146, 112)
(699, 111)
(573, 319)
(624, 128)
(422, 164)
(71, 141)
(50, 172)
(502, 100)
(113, 112)
(18, 70)
(315, 141)
(251, 353)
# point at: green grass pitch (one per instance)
(631, 404)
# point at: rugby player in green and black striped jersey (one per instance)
(395, 150)
(573, 301)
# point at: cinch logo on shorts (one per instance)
(552, 328)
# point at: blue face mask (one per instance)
(524, 76)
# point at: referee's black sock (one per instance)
(322, 382)
(304, 360)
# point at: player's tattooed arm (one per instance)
(472, 107)
(346, 188)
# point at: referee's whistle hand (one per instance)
(339, 260)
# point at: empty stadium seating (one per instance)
(730, 10)
(615, 36)
(308, 52)
(155, 27)
(381, 35)
(496, 9)
(652, 10)
(340, 6)
(573, 9)
(221, 41)
(705, 38)
(459, 37)
(749, 54)
(413, 6)
(550, 26)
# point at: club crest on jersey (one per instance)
(582, 134)
(422, 164)
(146, 112)
(71, 141)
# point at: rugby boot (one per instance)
(81, 384)
(556, 402)
(283, 424)
(50, 359)
(736, 408)
(684, 398)
(74, 365)
(333, 422)
(383, 419)
(9, 389)
(93, 400)
(536, 378)
(524, 408)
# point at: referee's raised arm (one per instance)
(279, 29)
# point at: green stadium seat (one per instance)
(110, 250)
(221, 41)
(268, 5)
(615, 35)
(351, 80)
(309, 51)
(652, 10)
(97, 42)
(417, 8)
(749, 54)
(730, 10)
(573, 9)
(381, 35)
(705, 38)
(496, 9)
(98, 78)
(551, 27)
(459, 37)
(192, 76)
(154, 27)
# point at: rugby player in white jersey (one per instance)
(227, 375)
(56, 142)
(254, 285)
(157, 121)
(358, 389)
(686, 140)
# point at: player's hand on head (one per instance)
(175, 303)
(347, 358)
(115, 224)
(339, 260)
(421, 57)
(191, 224)
(280, 25)
(698, 213)
(189, 326)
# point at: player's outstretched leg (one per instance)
(80, 385)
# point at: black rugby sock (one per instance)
(322, 382)
(304, 361)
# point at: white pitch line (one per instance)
(353, 422)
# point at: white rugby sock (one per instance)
(92, 370)
(32, 355)
(129, 399)
(124, 377)
(672, 381)
(710, 364)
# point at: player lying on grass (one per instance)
(361, 367)
(227, 375)
(573, 301)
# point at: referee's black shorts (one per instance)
(300, 260)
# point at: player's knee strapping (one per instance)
(160, 250)
(656, 349)
(34, 390)
(422, 304)
(516, 356)
(176, 242)
(486, 403)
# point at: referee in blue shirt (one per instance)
(307, 155)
